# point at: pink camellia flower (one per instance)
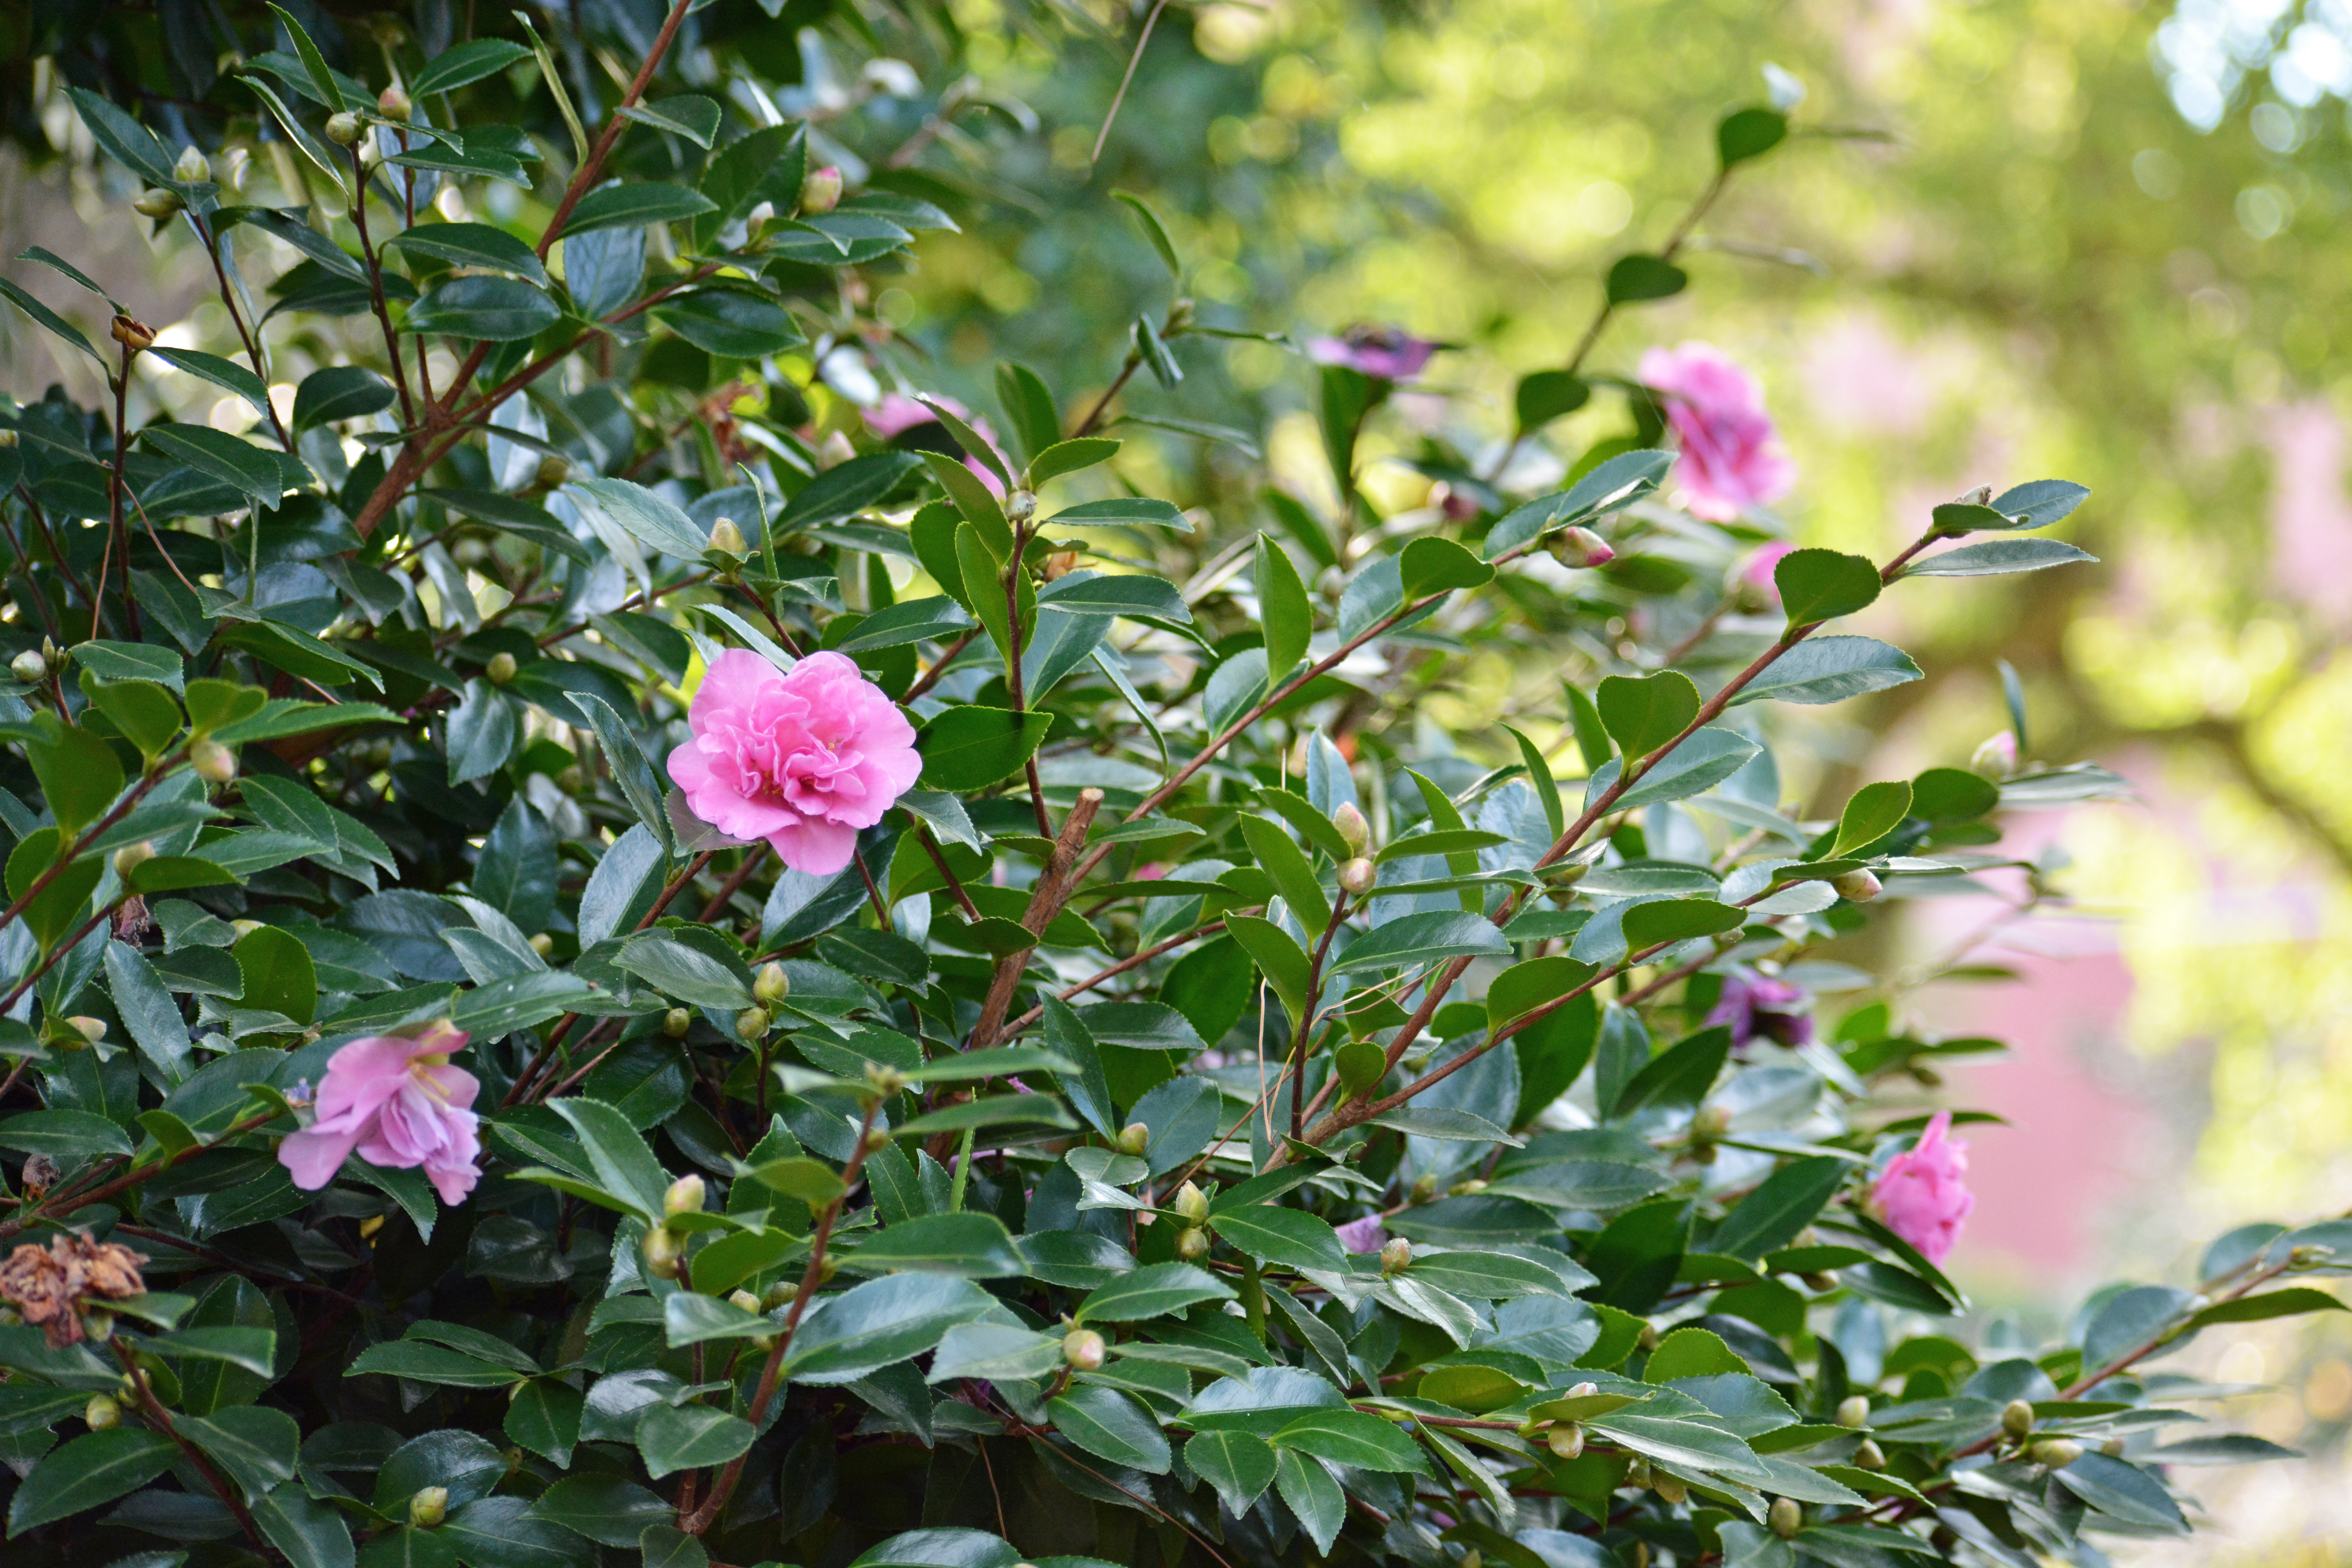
(1924, 1195)
(1363, 1234)
(399, 1104)
(1731, 457)
(1754, 1004)
(803, 760)
(897, 414)
(1756, 570)
(1384, 354)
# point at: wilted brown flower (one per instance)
(49, 1287)
(40, 1173)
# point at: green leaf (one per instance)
(1750, 134)
(2269, 1304)
(257, 1445)
(80, 779)
(1131, 594)
(689, 1436)
(1061, 458)
(1776, 1211)
(1111, 1426)
(1352, 1437)
(1646, 925)
(130, 143)
(279, 975)
(490, 310)
(973, 501)
(1123, 511)
(465, 63)
(1312, 1495)
(1710, 756)
(1277, 955)
(1420, 938)
(1293, 873)
(937, 618)
(1830, 669)
(1680, 1076)
(322, 80)
(2121, 1489)
(1284, 611)
(734, 323)
(997, 1111)
(91, 1469)
(767, 165)
(420, 1361)
(65, 1135)
(1240, 1465)
(1029, 408)
(1998, 557)
(141, 710)
(882, 1322)
(694, 966)
(636, 206)
(309, 1533)
(970, 748)
(943, 1548)
(1818, 585)
(1634, 279)
(1290, 1237)
(696, 118)
(624, 1164)
(339, 391)
(1644, 714)
(2038, 503)
(221, 373)
(500, 1532)
(689, 1318)
(1545, 396)
(974, 1246)
(1872, 813)
(1154, 1291)
(1435, 565)
(1153, 230)
(609, 1510)
(472, 245)
(235, 462)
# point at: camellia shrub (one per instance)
(627, 933)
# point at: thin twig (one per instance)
(1133, 60)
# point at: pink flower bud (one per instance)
(1582, 547)
(1922, 1196)
(820, 191)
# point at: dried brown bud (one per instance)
(132, 333)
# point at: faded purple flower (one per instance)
(1363, 1234)
(1755, 1004)
(1384, 354)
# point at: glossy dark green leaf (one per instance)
(483, 309)
(1818, 585)
(636, 206)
